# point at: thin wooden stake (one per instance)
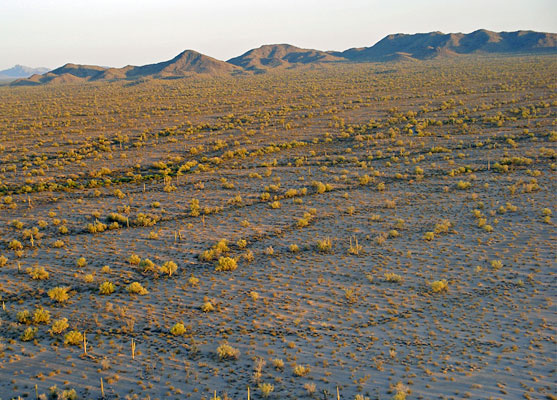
(133, 349)
(36, 392)
(102, 388)
(248, 393)
(338, 394)
(84, 344)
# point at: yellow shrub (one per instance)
(439, 286)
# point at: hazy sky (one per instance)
(119, 32)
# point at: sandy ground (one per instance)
(410, 163)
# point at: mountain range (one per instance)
(20, 71)
(397, 47)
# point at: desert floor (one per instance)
(388, 230)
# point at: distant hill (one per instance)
(280, 56)
(21, 71)
(397, 47)
(187, 63)
(424, 46)
(184, 64)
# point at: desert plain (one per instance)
(382, 229)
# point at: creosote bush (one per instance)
(496, 264)
(226, 264)
(41, 316)
(29, 334)
(392, 277)
(266, 389)
(136, 288)
(23, 317)
(73, 338)
(227, 352)
(325, 245)
(216, 251)
(301, 370)
(147, 265)
(59, 294)
(37, 273)
(439, 286)
(134, 259)
(178, 329)
(59, 326)
(168, 268)
(207, 307)
(107, 288)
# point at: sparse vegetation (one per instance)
(227, 352)
(350, 225)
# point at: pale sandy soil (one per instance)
(490, 335)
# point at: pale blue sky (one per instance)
(120, 32)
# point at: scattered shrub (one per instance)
(59, 294)
(37, 273)
(106, 288)
(59, 326)
(73, 338)
(207, 307)
(227, 352)
(392, 277)
(325, 245)
(300, 370)
(136, 288)
(178, 329)
(266, 389)
(41, 316)
(439, 286)
(24, 317)
(29, 334)
(226, 264)
(168, 268)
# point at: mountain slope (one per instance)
(184, 64)
(280, 56)
(436, 44)
(187, 63)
